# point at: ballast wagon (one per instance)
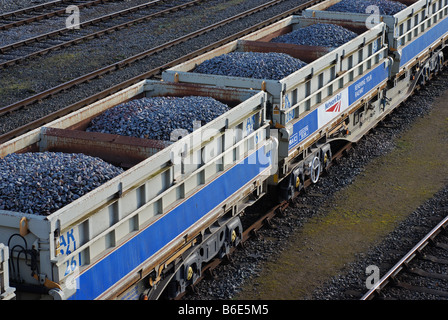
(415, 34)
(334, 97)
(174, 207)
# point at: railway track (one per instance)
(421, 270)
(20, 51)
(41, 12)
(148, 74)
(28, 10)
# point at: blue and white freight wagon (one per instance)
(310, 107)
(160, 219)
(416, 35)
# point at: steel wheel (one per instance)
(315, 169)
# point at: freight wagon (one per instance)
(416, 35)
(338, 95)
(417, 38)
(343, 92)
(174, 207)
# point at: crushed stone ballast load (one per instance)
(386, 7)
(157, 117)
(43, 182)
(319, 34)
(257, 65)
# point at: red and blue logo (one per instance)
(335, 108)
(334, 105)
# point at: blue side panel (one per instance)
(366, 83)
(423, 41)
(116, 265)
(309, 124)
(303, 129)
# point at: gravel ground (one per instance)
(9, 5)
(248, 263)
(22, 81)
(385, 255)
(87, 13)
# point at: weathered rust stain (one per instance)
(304, 53)
(225, 96)
(118, 150)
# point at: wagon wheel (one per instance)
(315, 169)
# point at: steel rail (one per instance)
(98, 33)
(48, 35)
(128, 61)
(49, 14)
(31, 9)
(405, 260)
(64, 111)
(107, 69)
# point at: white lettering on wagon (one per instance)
(359, 87)
(304, 132)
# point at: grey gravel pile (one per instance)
(257, 65)
(157, 117)
(386, 7)
(319, 34)
(43, 182)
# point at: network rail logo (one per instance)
(334, 105)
